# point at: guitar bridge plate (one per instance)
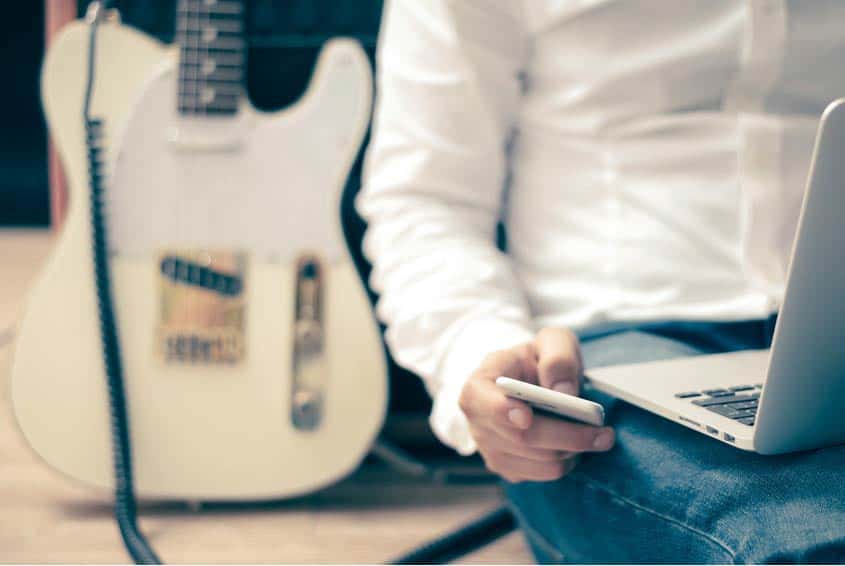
(202, 310)
(310, 369)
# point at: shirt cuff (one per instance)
(475, 341)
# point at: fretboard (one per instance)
(213, 56)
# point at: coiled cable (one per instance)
(125, 508)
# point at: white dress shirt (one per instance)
(647, 159)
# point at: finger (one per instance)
(515, 469)
(519, 362)
(556, 434)
(491, 437)
(534, 454)
(559, 360)
(528, 358)
(484, 403)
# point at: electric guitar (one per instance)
(253, 365)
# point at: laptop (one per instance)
(790, 397)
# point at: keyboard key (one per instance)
(717, 392)
(741, 398)
(739, 415)
(708, 401)
(688, 395)
(741, 388)
(724, 410)
(742, 406)
(724, 400)
(747, 421)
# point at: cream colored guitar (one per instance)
(253, 365)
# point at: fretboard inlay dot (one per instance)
(207, 95)
(209, 34)
(208, 66)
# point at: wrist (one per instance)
(466, 352)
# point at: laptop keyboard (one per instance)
(738, 402)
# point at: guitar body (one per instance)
(253, 366)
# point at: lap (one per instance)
(669, 494)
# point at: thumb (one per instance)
(516, 363)
(559, 360)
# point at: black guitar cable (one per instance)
(124, 493)
(465, 539)
(469, 538)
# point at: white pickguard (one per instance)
(257, 182)
(200, 432)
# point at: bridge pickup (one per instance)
(310, 368)
(193, 273)
(202, 308)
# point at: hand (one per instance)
(514, 442)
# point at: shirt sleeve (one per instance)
(448, 87)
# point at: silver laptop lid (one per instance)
(803, 401)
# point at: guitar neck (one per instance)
(212, 56)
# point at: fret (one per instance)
(209, 95)
(220, 75)
(209, 98)
(220, 88)
(223, 25)
(216, 46)
(211, 7)
(225, 88)
(211, 111)
(196, 109)
(197, 58)
(212, 56)
(191, 107)
(209, 38)
(212, 94)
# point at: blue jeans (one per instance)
(668, 494)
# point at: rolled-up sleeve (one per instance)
(448, 87)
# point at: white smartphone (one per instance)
(551, 401)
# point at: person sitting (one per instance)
(646, 162)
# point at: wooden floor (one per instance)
(372, 516)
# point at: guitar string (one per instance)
(189, 325)
(183, 286)
(195, 255)
(190, 105)
(206, 255)
(170, 336)
(195, 293)
(201, 322)
(202, 303)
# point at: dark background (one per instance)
(23, 138)
(284, 37)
